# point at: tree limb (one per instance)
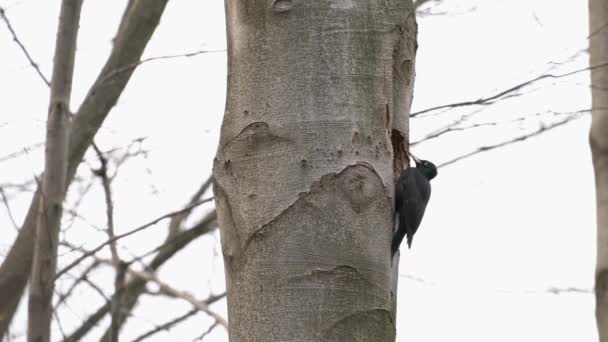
(42, 285)
(135, 31)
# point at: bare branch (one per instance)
(137, 286)
(9, 212)
(22, 47)
(96, 288)
(171, 291)
(102, 173)
(206, 332)
(492, 99)
(59, 325)
(177, 220)
(166, 326)
(40, 308)
(138, 24)
(454, 126)
(540, 130)
(21, 152)
(131, 232)
(132, 66)
(558, 290)
(81, 278)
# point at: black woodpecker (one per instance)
(412, 193)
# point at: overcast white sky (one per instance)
(502, 227)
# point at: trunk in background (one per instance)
(139, 22)
(598, 138)
(314, 134)
(40, 309)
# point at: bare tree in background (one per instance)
(354, 82)
(314, 133)
(54, 179)
(136, 28)
(598, 139)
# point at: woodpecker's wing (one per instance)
(416, 196)
(424, 188)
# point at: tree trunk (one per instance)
(598, 139)
(313, 137)
(50, 209)
(139, 22)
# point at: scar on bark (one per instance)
(400, 159)
(353, 188)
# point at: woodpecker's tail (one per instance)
(398, 235)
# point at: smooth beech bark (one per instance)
(598, 139)
(313, 136)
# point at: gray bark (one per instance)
(139, 22)
(313, 136)
(40, 307)
(598, 139)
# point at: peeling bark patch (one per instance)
(281, 5)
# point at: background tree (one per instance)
(123, 225)
(598, 139)
(53, 186)
(136, 29)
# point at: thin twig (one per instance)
(59, 325)
(132, 66)
(131, 232)
(491, 99)
(166, 326)
(168, 290)
(136, 286)
(540, 130)
(21, 152)
(102, 173)
(207, 332)
(453, 127)
(18, 41)
(9, 212)
(165, 288)
(77, 281)
(177, 220)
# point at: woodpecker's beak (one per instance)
(416, 160)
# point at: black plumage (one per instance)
(412, 193)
